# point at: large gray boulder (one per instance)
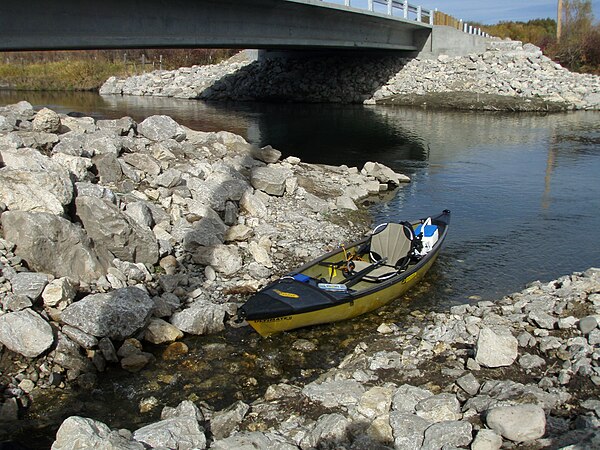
(408, 430)
(26, 333)
(224, 422)
(335, 393)
(117, 314)
(114, 233)
(80, 433)
(217, 189)
(51, 244)
(161, 128)
(35, 190)
(223, 258)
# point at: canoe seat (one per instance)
(393, 241)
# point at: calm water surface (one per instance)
(524, 191)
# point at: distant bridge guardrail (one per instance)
(404, 9)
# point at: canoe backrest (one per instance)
(393, 241)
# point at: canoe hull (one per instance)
(343, 311)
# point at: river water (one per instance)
(524, 190)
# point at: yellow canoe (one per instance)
(349, 281)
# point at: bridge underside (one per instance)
(267, 24)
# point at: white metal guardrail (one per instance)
(391, 7)
(406, 10)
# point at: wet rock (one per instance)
(80, 432)
(26, 333)
(108, 350)
(117, 315)
(519, 423)
(223, 423)
(496, 349)
(159, 331)
(9, 410)
(133, 358)
(52, 244)
(200, 318)
(175, 351)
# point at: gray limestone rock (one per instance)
(446, 434)
(408, 430)
(224, 422)
(495, 349)
(35, 190)
(253, 440)
(114, 233)
(223, 258)
(46, 121)
(161, 128)
(270, 180)
(406, 397)
(29, 284)
(518, 423)
(26, 333)
(117, 315)
(330, 430)
(182, 433)
(439, 408)
(335, 393)
(202, 317)
(77, 433)
(487, 440)
(51, 244)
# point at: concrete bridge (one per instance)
(262, 24)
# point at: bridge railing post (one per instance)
(419, 13)
(405, 8)
(347, 2)
(371, 7)
(390, 5)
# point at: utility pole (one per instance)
(559, 18)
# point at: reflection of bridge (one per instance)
(288, 24)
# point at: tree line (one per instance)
(577, 47)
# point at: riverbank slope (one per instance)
(508, 76)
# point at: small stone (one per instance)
(175, 351)
(469, 384)
(587, 324)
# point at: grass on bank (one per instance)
(72, 75)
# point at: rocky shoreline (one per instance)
(509, 76)
(118, 235)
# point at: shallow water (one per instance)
(524, 190)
